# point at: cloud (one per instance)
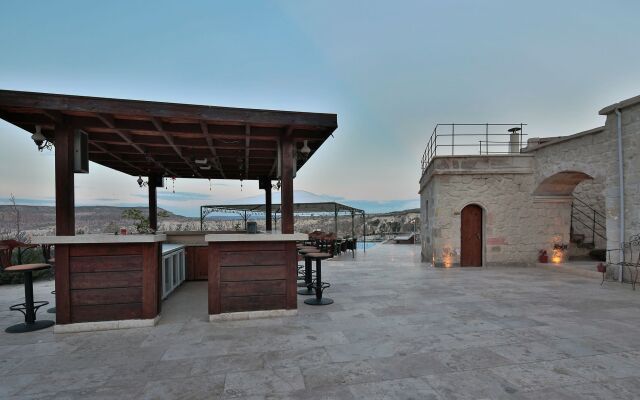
(178, 196)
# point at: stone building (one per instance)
(503, 209)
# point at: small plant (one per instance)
(543, 257)
(141, 222)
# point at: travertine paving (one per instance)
(398, 329)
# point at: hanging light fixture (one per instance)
(40, 140)
(141, 182)
(305, 150)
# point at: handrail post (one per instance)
(593, 232)
(453, 137)
(486, 138)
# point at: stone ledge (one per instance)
(105, 325)
(244, 315)
(567, 269)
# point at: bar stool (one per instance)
(308, 272)
(302, 276)
(29, 307)
(319, 285)
(52, 262)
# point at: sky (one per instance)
(390, 70)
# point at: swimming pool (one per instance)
(368, 245)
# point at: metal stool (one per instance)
(52, 261)
(319, 285)
(29, 307)
(308, 272)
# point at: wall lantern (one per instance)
(305, 150)
(40, 140)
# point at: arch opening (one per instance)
(561, 183)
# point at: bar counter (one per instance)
(252, 275)
(106, 281)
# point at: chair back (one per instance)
(5, 256)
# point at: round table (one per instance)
(29, 307)
(319, 300)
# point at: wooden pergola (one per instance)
(155, 139)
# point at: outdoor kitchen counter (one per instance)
(252, 275)
(106, 281)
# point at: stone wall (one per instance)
(527, 197)
(516, 225)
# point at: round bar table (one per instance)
(29, 307)
(319, 300)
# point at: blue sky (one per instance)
(391, 70)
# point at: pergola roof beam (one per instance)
(216, 162)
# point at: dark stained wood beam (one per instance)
(68, 103)
(153, 203)
(216, 161)
(55, 116)
(247, 143)
(65, 188)
(102, 149)
(109, 121)
(169, 140)
(286, 191)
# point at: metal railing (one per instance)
(588, 217)
(470, 139)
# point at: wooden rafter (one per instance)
(108, 120)
(169, 140)
(102, 149)
(216, 161)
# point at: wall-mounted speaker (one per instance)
(81, 152)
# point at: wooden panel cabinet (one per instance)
(197, 263)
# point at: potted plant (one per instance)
(543, 257)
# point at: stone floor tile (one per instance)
(192, 388)
(471, 385)
(408, 366)
(471, 358)
(334, 374)
(537, 376)
(271, 381)
(400, 389)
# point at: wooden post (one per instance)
(153, 203)
(65, 195)
(286, 192)
(267, 206)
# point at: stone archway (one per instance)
(561, 183)
(586, 220)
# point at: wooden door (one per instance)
(471, 236)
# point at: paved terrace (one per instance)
(398, 329)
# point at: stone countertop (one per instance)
(99, 239)
(256, 237)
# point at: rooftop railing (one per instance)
(470, 139)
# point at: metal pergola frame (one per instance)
(247, 210)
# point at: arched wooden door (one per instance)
(471, 236)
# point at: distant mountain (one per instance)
(370, 206)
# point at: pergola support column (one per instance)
(267, 207)
(153, 203)
(65, 193)
(286, 192)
